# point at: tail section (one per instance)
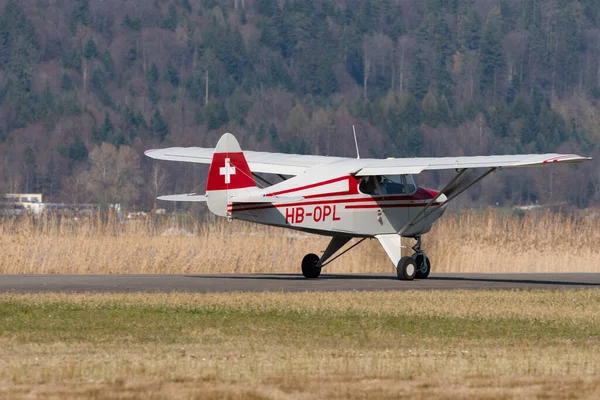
(229, 175)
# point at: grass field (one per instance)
(507, 344)
(476, 241)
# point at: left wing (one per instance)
(258, 161)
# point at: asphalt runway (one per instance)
(288, 283)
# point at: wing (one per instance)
(417, 165)
(270, 163)
(296, 164)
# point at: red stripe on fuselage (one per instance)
(420, 194)
(390, 205)
(244, 207)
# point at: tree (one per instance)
(74, 188)
(77, 150)
(114, 175)
(81, 14)
(209, 61)
(158, 180)
(491, 54)
(171, 19)
(376, 54)
(109, 65)
(153, 75)
(268, 8)
(105, 131)
(419, 84)
(172, 75)
(216, 115)
(90, 51)
(158, 126)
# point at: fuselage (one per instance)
(327, 201)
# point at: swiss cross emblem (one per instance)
(227, 171)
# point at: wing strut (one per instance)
(418, 218)
(421, 216)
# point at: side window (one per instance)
(392, 185)
(368, 185)
(411, 185)
(397, 184)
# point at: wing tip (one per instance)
(149, 151)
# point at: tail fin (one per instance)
(229, 175)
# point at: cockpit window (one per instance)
(387, 184)
(368, 185)
(397, 184)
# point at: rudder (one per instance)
(228, 175)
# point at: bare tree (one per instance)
(514, 47)
(209, 60)
(158, 180)
(403, 50)
(376, 51)
(74, 188)
(114, 175)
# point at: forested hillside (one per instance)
(86, 86)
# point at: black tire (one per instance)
(309, 266)
(419, 261)
(407, 269)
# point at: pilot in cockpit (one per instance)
(368, 185)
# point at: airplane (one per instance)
(342, 198)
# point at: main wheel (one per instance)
(309, 266)
(423, 268)
(406, 269)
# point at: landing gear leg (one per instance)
(421, 260)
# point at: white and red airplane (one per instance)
(343, 198)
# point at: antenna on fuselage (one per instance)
(355, 143)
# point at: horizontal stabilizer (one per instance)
(265, 199)
(183, 197)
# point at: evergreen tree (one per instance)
(419, 83)
(171, 19)
(90, 51)
(158, 126)
(216, 115)
(109, 65)
(81, 14)
(491, 53)
(172, 75)
(77, 150)
(153, 75)
(268, 8)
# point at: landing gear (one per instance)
(310, 266)
(422, 262)
(406, 269)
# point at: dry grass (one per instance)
(468, 242)
(537, 344)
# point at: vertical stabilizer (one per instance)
(228, 175)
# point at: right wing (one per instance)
(258, 161)
(417, 165)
